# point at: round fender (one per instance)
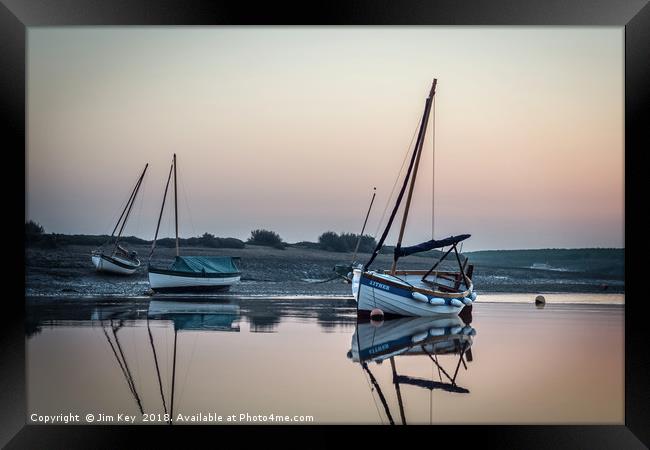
(420, 297)
(456, 303)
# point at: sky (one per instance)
(290, 128)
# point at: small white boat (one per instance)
(195, 273)
(190, 273)
(119, 260)
(414, 292)
(115, 264)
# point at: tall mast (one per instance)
(162, 208)
(176, 205)
(356, 249)
(128, 202)
(129, 205)
(419, 144)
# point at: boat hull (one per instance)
(105, 263)
(170, 281)
(395, 298)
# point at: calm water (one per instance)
(507, 363)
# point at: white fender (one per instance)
(456, 303)
(437, 301)
(436, 331)
(472, 332)
(467, 300)
(419, 337)
(420, 297)
(456, 330)
(473, 296)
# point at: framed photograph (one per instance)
(378, 215)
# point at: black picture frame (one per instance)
(17, 15)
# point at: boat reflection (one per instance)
(434, 338)
(162, 316)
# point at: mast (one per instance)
(130, 203)
(162, 208)
(419, 145)
(155, 359)
(171, 408)
(399, 394)
(381, 394)
(176, 205)
(356, 249)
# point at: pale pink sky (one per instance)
(289, 128)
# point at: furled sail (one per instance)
(429, 245)
(205, 264)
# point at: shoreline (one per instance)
(493, 298)
(269, 272)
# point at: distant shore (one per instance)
(67, 271)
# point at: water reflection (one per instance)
(174, 358)
(425, 337)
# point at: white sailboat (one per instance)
(427, 337)
(190, 273)
(119, 260)
(414, 292)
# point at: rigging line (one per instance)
(431, 402)
(140, 207)
(397, 390)
(462, 353)
(436, 362)
(124, 372)
(187, 371)
(162, 208)
(433, 166)
(403, 281)
(155, 359)
(116, 356)
(137, 359)
(133, 193)
(171, 407)
(439, 374)
(128, 211)
(397, 178)
(187, 206)
(409, 179)
(122, 207)
(374, 400)
(130, 377)
(379, 393)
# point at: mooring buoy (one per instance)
(540, 301)
(377, 314)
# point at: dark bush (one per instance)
(346, 242)
(266, 238)
(33, 228)
(332, 242)
(35, 236)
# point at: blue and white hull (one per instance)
(114, 264)
(405, 295)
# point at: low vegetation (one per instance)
(345, 242)
(35, 236)
(609, 262)
(266, 238)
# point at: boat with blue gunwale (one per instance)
(414, 292)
